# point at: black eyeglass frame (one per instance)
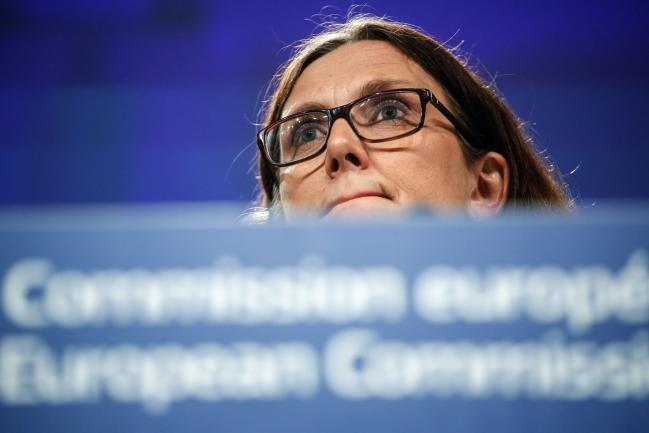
(344, 111)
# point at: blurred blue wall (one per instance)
(156, 100)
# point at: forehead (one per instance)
(338, 77)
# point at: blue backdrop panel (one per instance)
(177, 319)
(157, 100)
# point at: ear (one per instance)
(490, 185)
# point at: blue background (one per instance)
(149, 101)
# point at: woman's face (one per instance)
(353, 177)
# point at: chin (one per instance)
(364, 207)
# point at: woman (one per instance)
(373, 117)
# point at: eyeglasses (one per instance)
(376, 118)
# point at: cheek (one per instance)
(298, 187)
(432, 173)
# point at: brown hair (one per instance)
(533, 183)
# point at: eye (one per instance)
(389, 109)
(389, 112)
(307, 133)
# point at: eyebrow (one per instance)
(370, 87)
(379, 85)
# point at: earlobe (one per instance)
(490, 185)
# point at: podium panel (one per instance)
(165, 320)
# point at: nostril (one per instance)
(353, 159)
(334, 165)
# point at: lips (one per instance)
(349, 197)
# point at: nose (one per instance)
(345, 151)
